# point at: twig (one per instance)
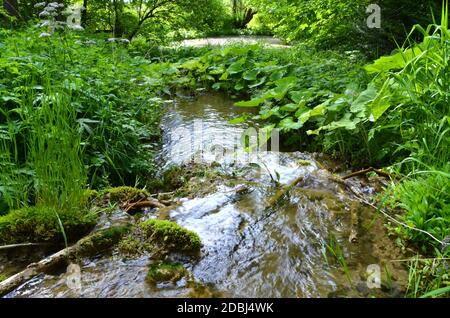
(394, 219)
(280, 193)
(420, 259)
(365, 171)
(131, 207)
(7, 247)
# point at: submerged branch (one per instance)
(282, 192)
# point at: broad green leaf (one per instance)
(224, 76)
(191, 64)
(297, 96)
(381, 104)
(251, 75)
(365, 98)
(319, 110)
(346, 122)
(238, 120)
(259, 83)
(277, 75)
(251, 103)
(289, 108)
(269, 112)
(265, 134)
(217, 86)
(217, 70)
(235, 68)
(289, 124)
(393, 62)
(239, 85)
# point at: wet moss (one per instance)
(174, 177)
(200, 290)
(2, 277)
(165, 272)
(184, 179)
(304, 163)
(123, 194)
(171, 236)
(41, 224)
(130, 246)
(89, 196)
(102, 240)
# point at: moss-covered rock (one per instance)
(102, 240)
(165, 272)
(171, 236)
(89, 196)
(123, 194)
(41, 224)
(2, 277)
(130, 246)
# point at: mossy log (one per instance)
(89, 245)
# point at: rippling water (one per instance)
(250, 249)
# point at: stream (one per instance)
(301, 246)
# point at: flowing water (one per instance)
(316, 241)
(230, 40)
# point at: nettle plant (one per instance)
(52, 14)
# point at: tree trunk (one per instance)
(118, 25)
(11, 7)
(84, 14)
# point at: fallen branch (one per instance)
(365, 171)
(282, 192)
(142, 204)
(86, 246)
(12, 246)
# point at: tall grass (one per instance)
(420, 91)
(41, 152)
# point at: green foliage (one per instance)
(171, 236)
(40, 224)
(117, 124)
(158, 21)
(40, 128)
(318, 20)
(427, 200)
(343, 24)
(428, 277)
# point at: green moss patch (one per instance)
(130, 246)
(41, 224)
(165, 272)
(171, 236)
(89, 197)
(102, 240)
(3, 277)
(124, 194)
